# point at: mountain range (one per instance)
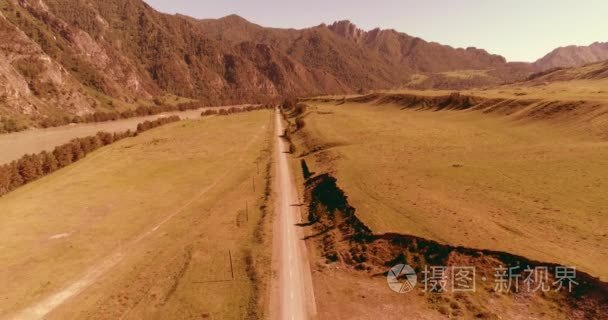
(63, 57)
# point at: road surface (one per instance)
(295, 296)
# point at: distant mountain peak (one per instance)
(572, 56)
(234, 17)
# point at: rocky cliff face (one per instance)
(31, 81)
(416, 53)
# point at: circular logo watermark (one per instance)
(402, 278)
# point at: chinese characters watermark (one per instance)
(436, 279)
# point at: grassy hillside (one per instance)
(146, 226)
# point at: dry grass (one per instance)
(589, 90)
(471, 179)
(465, 74)
(165, 205)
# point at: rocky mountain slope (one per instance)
(573, 56)
(30, 80)
(79, 56)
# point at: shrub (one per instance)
(15, 179)
(105, 138)
(300, 109)
(289, 103)
(5, 179)
(29, 168)
(77, 151)
(300, 123)
(9, 125)
(63, 154)
(209, 112)
(49, 162)
(147, 125)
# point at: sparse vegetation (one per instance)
(234, 110)
(8, 125)
(113, 116)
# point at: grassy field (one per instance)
(467, 178)
(589, 90)
(146, 226)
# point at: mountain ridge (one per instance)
(119, 54)
(573, 56)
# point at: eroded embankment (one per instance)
(341, 237)
(588, 115)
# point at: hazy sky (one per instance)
(520, 30)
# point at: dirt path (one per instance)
(294, 296)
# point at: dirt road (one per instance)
(295, 296)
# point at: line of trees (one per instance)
(140, 111)
(8, 125)
(232, 110)
(33, 166)
(147, 125)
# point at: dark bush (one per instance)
(63, 154)
(5, 179)
(15, 179)
(105, 138)
(29, 168)
(49, 162)
(233, 110)
(209, 112)
(289, 103)
(300, 123)
(147, 125)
